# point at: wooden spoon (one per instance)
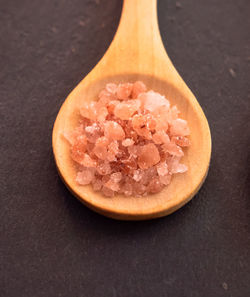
(137, 53)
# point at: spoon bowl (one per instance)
(137, 53)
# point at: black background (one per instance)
(51, 245)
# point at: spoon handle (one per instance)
(137, 46)
(137, 39)
(138, 26)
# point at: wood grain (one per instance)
(137, 53)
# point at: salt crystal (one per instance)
(139, 189)
(162, 168)
(125, 110)
(105, 97)
(148, 174)
(103, 168)
(112, 185)
(139, 124)
(78, 148)
(181, 141)
(148, 156)
(173, 114)
(111, 88)
(127, 187)
(71, 136)
(175, 166)
(93, 132)
(97, 184)
(128, 142)
(138, 88)
(137, 175)
(152, 100)
(151, 122)
(111, 106)
(165, 179)
(173, 149)
(87, 161)
(84, 177)
(107, 192)
(155, 185)
(124, 91)
(89, 111)
(179, 128)
(161, 137)
(102, 112)
(113, 150)
(179, 168)
(128, 165)
(116, 177)
(133, 150)
(113, 130)
(130, 132)
(100, 149)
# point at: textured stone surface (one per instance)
(50, 244)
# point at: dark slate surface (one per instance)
(51, 245)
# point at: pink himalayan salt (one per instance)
(130, 132)
(97, 184)
(173, 114)
(111, 106)
(151, 122)
(165, 179)
(111, 88)
(107, 191)
(139, 189)
(148, 174)
(137, 175)
(129, 141)
(173, 149)
(113, 130)
(175, 166)
(112, 185)
(89, 111)
(100, 149)
(139, 124)
(163, 117)
(162, 169)
(116, 177)
(78, 148)
(133, 150)
(181, 141)
(152, 100)
(93, 132)
(148, 156)
(155, 185)
(126, 109)
(127, 188)
(72, 136)
(124, 91)
(87, 161)
(128, 165)
(104, 168)
(138, 88)
(113, 149)
(84, 177)
(179, 127)
(161, 137)
(105, 96)
(102, 113)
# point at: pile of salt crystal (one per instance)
(129, 142)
